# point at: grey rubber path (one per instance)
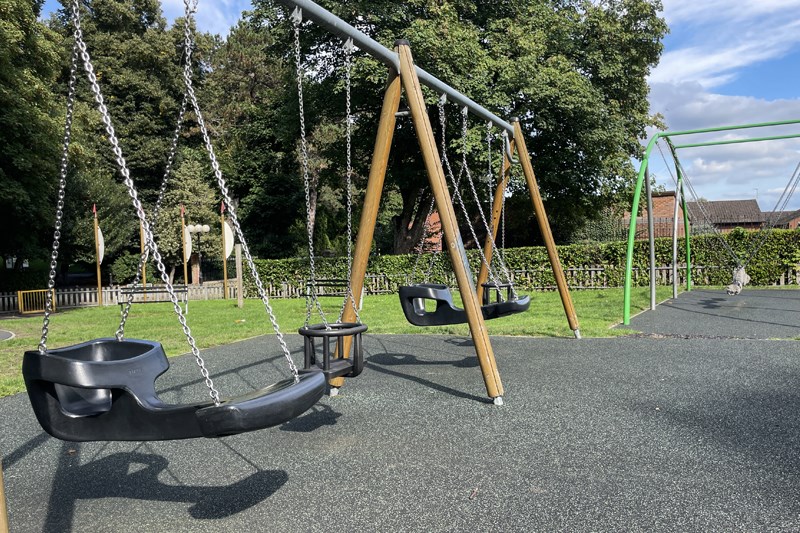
(5, 335)
(624, 434)
(753, 314)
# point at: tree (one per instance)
(29, 129)
(189, 188)
(137, 60)
(574, 71)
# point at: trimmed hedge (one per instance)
(779, 252)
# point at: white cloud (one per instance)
(715, 43)
(217, 16)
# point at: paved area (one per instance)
(5, 335)
(624, 434)
(753, 314)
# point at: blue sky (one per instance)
(725, 62)
(731, 63)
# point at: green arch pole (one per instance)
(687, 235)
(637, 195)
(626, 311)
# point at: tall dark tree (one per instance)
(574, 71)
(29, 129)
(137, 60)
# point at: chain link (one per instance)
(489, 170)
(464, 170)
(465, 166)
(62, 184)
(132, 192)
(234, 219)
(349, 297)
(312, 298)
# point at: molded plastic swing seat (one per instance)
(104, 389)
(329, 366)
(412, 300)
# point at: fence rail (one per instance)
(541, 279)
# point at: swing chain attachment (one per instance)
(62, 185)
(132, 192)
(311, 287)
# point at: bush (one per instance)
(779, 250)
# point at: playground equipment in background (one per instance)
(413, 297)
(740, 277)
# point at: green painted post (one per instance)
(637, 194)
(687, 231)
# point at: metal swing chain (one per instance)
(120, 334)
(489, 170)
(703, 211)
(691, 189)
(348, 49)
(62, 184)
(190, 7)
(137, 204)
(465, 167)
(769, 224)
(501, 252)
(420, 247)
(456, 190)
(311, 288)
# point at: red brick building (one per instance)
(723, 214)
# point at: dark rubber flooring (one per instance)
(753, 314)
(624, 434)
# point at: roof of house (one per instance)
(726, 212)
(781, 218)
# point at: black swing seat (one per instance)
(104, 390)
(330, 366)
(412, 301)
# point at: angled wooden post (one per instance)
(444, 205)
(372, 201)
(544, 227)
(3, 507)
(497, 212)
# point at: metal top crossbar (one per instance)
(337, 26)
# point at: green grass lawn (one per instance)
(217, 322)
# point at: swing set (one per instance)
(104, 389)
(682, 183)
(403, 75)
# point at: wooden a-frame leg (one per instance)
(544, 227)
(372, 201)
(444, 205)
(3, 507)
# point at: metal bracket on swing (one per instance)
(296, 16)
(507, 148)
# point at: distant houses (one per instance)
(725, 215)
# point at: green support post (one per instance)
(637, 194)
(626, 311)
(687, 231)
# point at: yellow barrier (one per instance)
(34, 301)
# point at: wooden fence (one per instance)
(578, 278)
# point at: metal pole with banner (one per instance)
(187, 245)
(99, 250)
